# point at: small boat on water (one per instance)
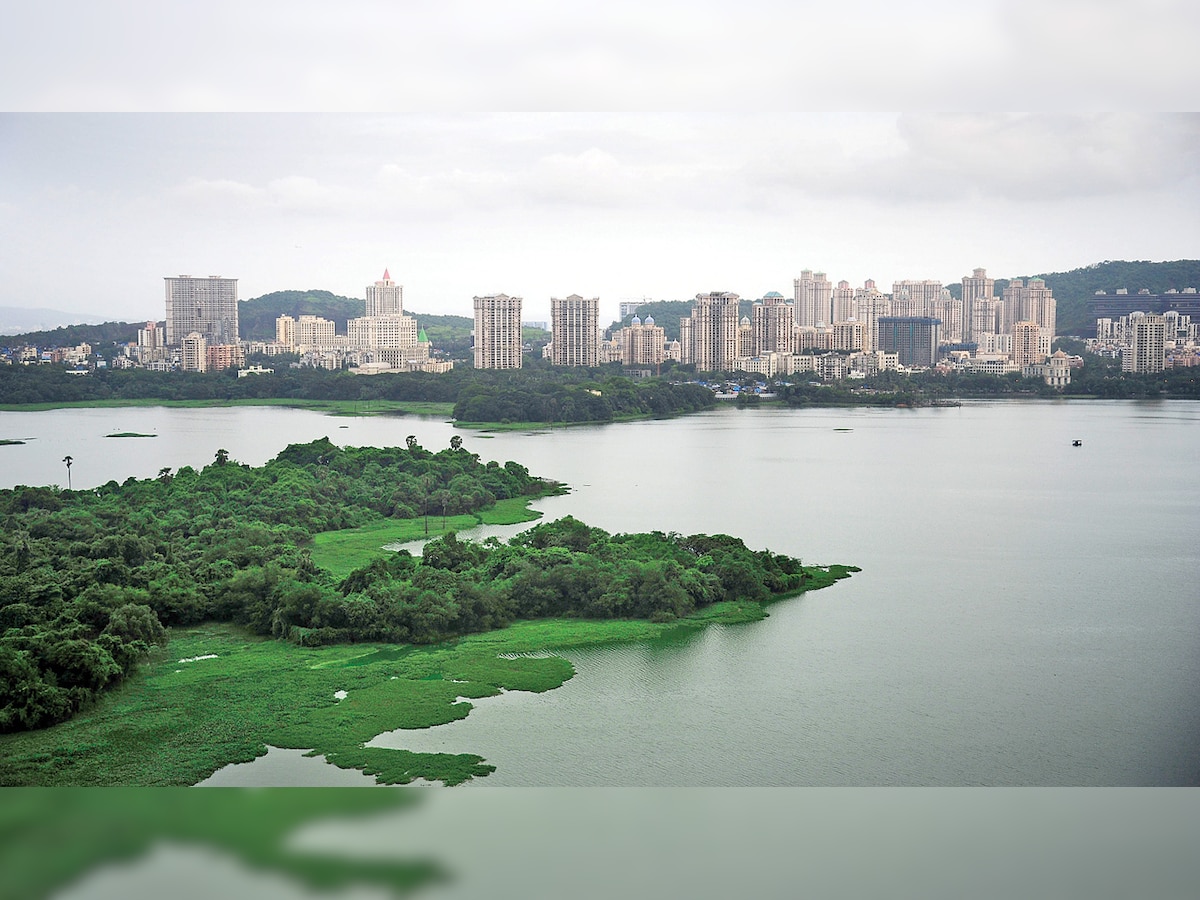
(1076, 443)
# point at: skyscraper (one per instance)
(774, 321)
(1030, 301)
(813, 298)
(497, 332)
(385, 297)
(642, 343)
(914, 339)
(843, 302)
(208, 306)
(869, 305)
(1147, 344)
(976, 286)
(1031, 344)
(574, 331)
(712, 331)
(193, 352)
(912, 298)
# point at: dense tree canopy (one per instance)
(89, 578)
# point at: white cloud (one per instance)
(1016, 157)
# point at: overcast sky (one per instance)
(97, 207)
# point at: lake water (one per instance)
(1028, 611)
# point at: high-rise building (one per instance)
(314, 333)
(848, 335)
(1031, 344)
(950, 311)
(774, 321)
(870, 304)
(842, 302)
(1029, 301)
(1146, 351)
(391, 332)
(914, 339)
(385, 297)
(285, 332)
(151, 343)
(712, 332)
(642, 343)
(745, 342)
(497, 332)
(574, 331)
(193, 356)
(977, 286)
(208, 306)
(813, 296)
(912, 298)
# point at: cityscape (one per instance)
(830, 331)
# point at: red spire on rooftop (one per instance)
(386, 276)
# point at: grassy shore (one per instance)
(333, 407)
(341, 552)
(218, 695)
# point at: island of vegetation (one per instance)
(267, 622)
(129, 434)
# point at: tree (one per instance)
(222, 457)
(456, 442)
(68, 460)
(411, 442)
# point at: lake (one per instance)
(1028, 611)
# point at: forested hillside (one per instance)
(256, 317)
(1075, 288)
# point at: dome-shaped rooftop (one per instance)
(649, 320)
(771, 295)
(635, 321)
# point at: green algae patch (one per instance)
(130, 434)
(220, 696)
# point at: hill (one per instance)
(256, 317)
(1075, 288)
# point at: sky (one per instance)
(134, 146)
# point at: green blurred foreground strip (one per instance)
(51, 838)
